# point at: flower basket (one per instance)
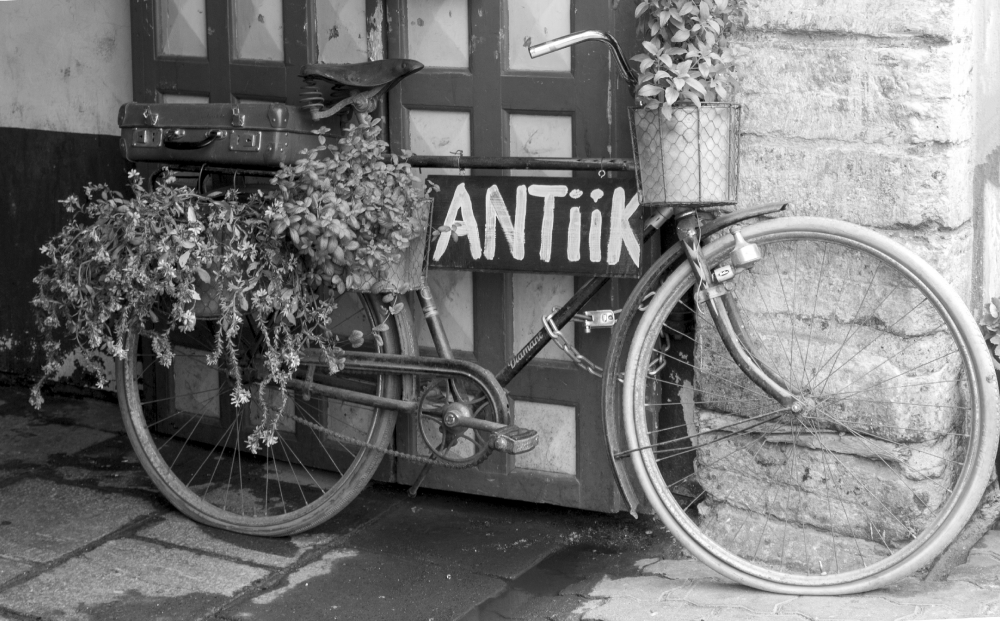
(690, 159)
(398, 277)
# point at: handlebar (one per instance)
(588, 35)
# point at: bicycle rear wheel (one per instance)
(191, 439)
(896, 439)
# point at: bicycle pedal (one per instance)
(513, 440)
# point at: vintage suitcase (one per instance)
(249, 135)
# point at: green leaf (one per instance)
(650, 90)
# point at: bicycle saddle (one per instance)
(366, 82)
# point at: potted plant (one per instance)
(168, 256)
(685, 133)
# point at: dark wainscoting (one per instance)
(37, 168)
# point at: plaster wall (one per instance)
(67, 65)
(65, 69)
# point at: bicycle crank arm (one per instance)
(426, 365)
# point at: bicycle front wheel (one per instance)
(896, 435)
(191, 439)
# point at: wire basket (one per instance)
(691, 159)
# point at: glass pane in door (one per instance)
(258, 30)
(530, 22)
(535, 295)
(341, 31)
(443, 132)
(438, 32)
(181, 28)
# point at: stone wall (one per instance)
(885, 114)
(864, 111)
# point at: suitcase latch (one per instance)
(150, 116)
(245, 140)
(147, 137)
(238, 119)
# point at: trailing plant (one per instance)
(273, 264)
(687, 56)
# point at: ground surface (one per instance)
(84, 535)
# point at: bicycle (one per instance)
(833, 430)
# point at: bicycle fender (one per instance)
(621, 336)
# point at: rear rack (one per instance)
(461, 162)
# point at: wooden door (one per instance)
(480, 94)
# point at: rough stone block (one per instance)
(856, 89)
(845, 494)
(933, 18)
(925, 186)
(784, 545)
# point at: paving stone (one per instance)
(373, 502)
(623, 609)
(711, 594)
(963, 597)
(643, 588)
(853, 608)
(131, 579)
(683, 570)
(10, 569)
(28, 440)
(41, 520)
(989, 544)
(497, 544)
(179, 530)
(347, 584)
(103, 415)
(982, 569)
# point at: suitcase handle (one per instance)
(171, 142)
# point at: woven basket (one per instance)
(691, 159)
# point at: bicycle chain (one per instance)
(387, 451)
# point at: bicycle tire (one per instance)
(190, 439)
(876, 496)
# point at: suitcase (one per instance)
(249, 135)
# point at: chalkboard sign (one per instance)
(554, 225)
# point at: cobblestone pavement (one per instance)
(84, 535)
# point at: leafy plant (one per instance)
(270, 262)
(351, 215)
(686, 55)
(990, 323)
